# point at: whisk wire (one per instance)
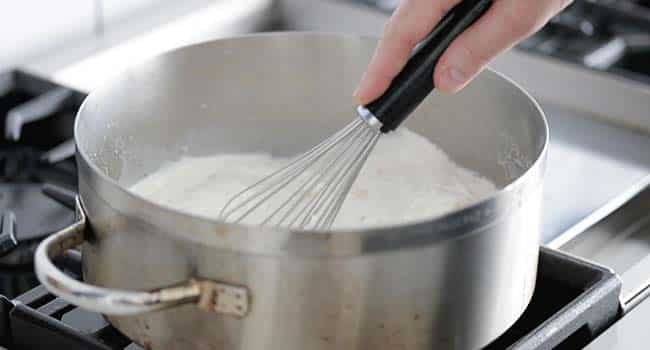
(325, 159)
(317, 178)
(358, 165)
(350, 147)
(343, 176)
(277, 178)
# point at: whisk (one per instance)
(308, 193)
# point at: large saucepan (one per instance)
(456, 281)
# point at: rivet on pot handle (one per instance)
(211, 296)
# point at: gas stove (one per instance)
(574, 300)
(573, 303)
(583, 68)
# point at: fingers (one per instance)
(410, 24)
(506, 23)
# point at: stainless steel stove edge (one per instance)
(615, 236)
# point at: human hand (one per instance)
(506, 23)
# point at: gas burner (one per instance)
(28, 216)
(18, 163)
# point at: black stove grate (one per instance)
(605, 35)
(36, 126)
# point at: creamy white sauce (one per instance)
(405, 179)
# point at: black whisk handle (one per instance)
(414, 83)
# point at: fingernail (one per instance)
(456, 76)
(451, 80)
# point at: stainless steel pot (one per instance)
(176, 281)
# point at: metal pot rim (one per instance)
(452, 225)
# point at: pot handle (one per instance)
(212, 296)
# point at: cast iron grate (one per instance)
(36, 124)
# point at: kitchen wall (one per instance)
(30, 28)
